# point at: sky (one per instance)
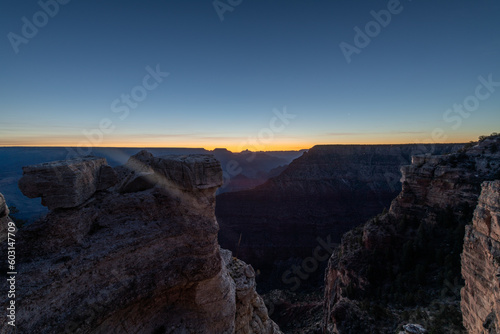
(241, 74)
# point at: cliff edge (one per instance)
(130, 250)
(481, 265)
(404, 265)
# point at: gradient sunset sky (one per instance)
(229, 78)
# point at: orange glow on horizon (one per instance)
(153, 145)
(292, 143)
(290, 146)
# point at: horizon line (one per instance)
(236, 151)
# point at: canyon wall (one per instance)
(132, 249)
(322, 194)
(481, 265)
(410, 256)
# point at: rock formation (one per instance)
(4, 218)
(410, 255)
(481, 265)
(251, 312)
(130, 250)
(240, 170)
(66, 184)
(325, 192)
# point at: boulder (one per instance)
(67, 183)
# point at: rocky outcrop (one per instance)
(240, 170)
(481, 265)
(4, 218)
(324, 193)
(66, 184)
(144, 260)
(410, 255)
(251, 312)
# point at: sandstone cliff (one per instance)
(481, 265)
(410, 256)
(326, 192)
(130, 250)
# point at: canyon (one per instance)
(313, 202)
(129, 249)
(405, 264)
(240, 171)
(135, 247)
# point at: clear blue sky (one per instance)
(227, 76)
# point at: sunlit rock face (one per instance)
(117, 255)
(438, 197)
(481, 265)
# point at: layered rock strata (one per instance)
(324, 193)
(411, 254)
(481, 265)
(131, 250)
(68, 183)
(251, 312)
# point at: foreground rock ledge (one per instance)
(66, 184)
(134, 256)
